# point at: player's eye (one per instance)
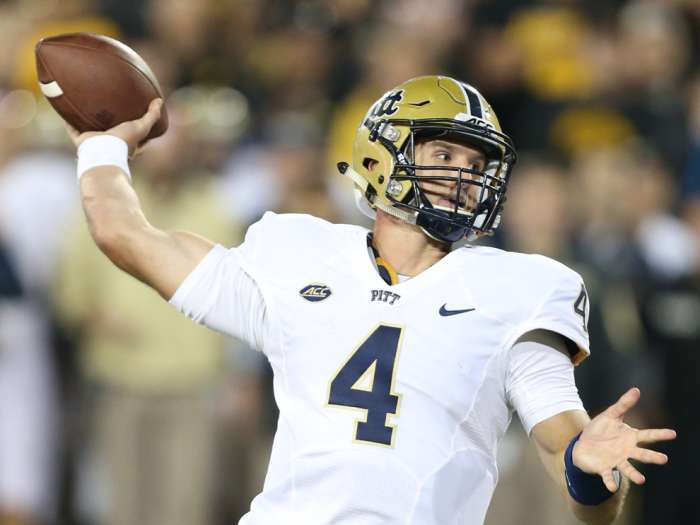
(443, 156)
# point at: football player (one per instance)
(398, 358)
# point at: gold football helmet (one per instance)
(387, 177)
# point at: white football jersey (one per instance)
(392, 399)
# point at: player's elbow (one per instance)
(111, 234)
(109, 238)
(109, 221)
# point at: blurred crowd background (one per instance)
(114, 410)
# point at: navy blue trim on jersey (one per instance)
(386, 270)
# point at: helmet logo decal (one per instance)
(473, 98)
(387, 104)
(315, 292)
(480, 123)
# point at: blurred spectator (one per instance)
(653, 58)
(691, 177)
(670, 308)
(180, 27)
(9, 283)
(288, 163)
(538, 217)
(298, 165)
(553, 41)
(37, 190)
(607, 219)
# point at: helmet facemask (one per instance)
(478, 195)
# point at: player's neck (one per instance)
(405, 246)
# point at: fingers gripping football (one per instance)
(134, 132)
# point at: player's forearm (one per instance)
(160, 259)
(113, 212)
(604, 513)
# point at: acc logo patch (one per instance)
(315, 292)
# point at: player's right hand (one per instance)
(133, 132)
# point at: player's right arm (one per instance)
(119, 227)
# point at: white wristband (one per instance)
(103, 150)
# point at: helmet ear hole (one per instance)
(368, 163)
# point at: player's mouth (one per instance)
(450, 200)
(450, 205)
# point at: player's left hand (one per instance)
(607, 442)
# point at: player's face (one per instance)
(441, 152)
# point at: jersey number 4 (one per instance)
(365, 382)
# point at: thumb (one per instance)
(138, 130)
(74, 134)
(624, 404)
(152, 114)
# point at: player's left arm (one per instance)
(551, 438)
(605, 445)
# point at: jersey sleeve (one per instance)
(563, 310)
(540, 383)
(221, 295)
(238, 291)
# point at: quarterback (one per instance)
(401, 353)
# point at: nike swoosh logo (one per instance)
(445, 312)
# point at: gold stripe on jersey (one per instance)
(385, 269)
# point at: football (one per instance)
(95, 82)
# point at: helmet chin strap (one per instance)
(435, 228)
(405, 216)
(439, 230)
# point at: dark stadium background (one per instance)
(602, 99)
